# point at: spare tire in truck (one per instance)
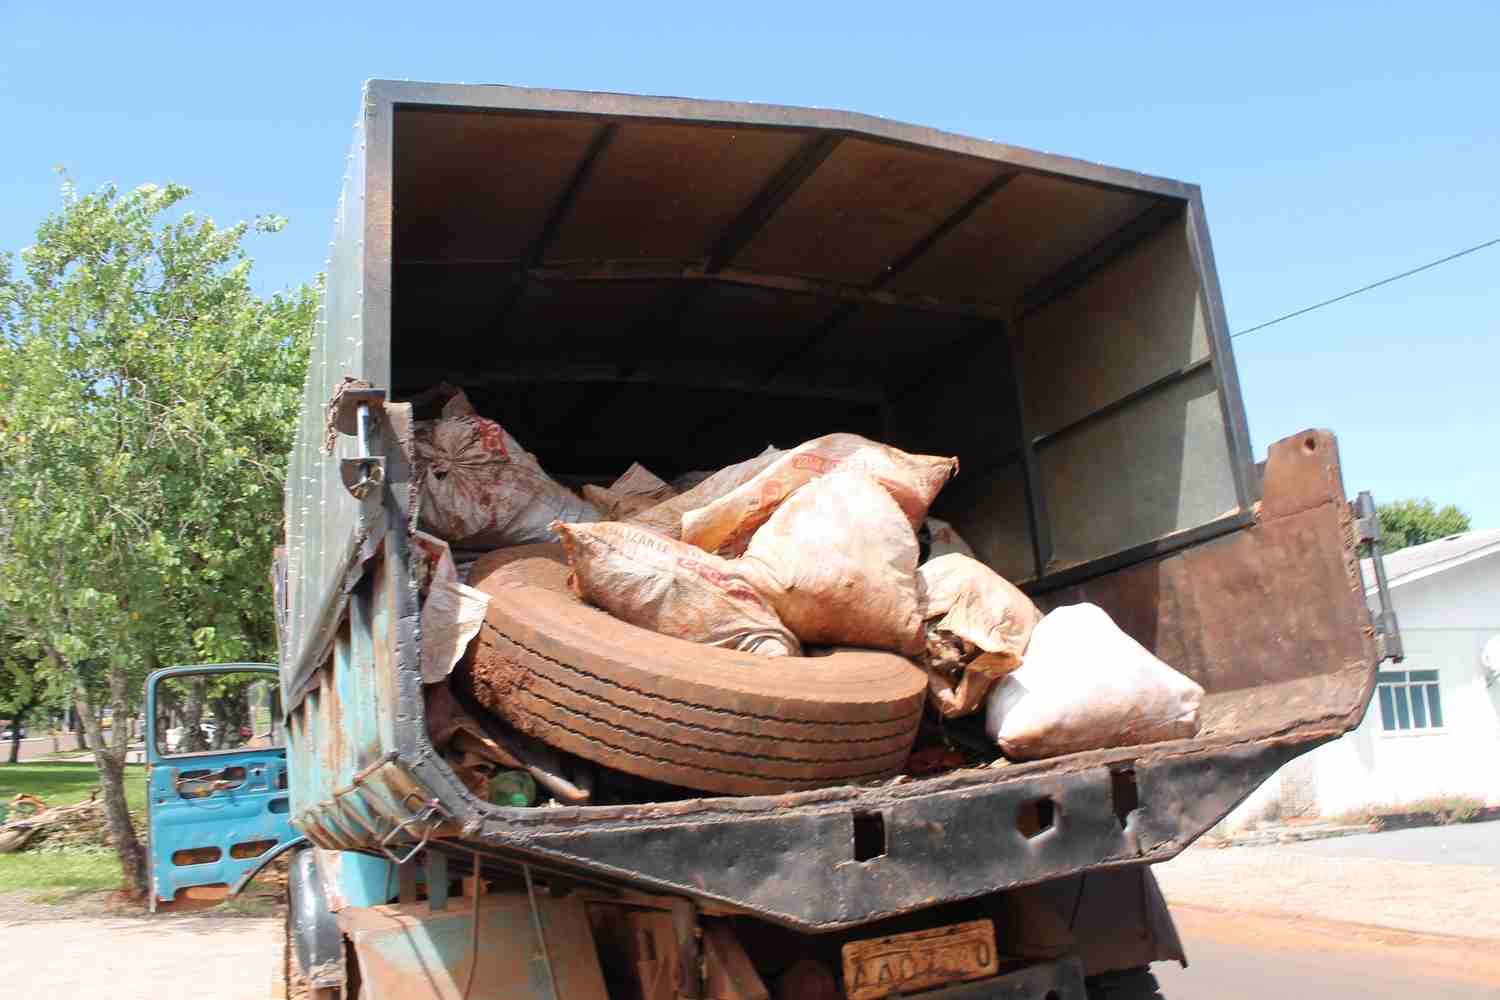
(674, 711)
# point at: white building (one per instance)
(1433, 726)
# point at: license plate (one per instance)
(920, 960)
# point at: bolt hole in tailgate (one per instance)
(619, 279)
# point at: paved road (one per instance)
(36, 746)
(1463, 844)
(1236, 956)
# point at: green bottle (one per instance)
(512, 788)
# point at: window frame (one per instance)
(1394, 688)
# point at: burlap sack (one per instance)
(480, 489)
(1086, 685)
(976, 626)
(725, 525)
(666, 517)
(669, 587)
(838, 562)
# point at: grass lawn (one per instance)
(64, 873)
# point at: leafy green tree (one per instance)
(22, 690)
(147, 397)
(1413, 522)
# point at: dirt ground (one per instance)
(88, 947)
(1407, 895)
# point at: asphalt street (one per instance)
(1460, 844)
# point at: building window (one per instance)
(1409, 700)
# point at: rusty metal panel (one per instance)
(407, 950)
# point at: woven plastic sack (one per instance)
(666, 517)
(641, 481)
(838, 562)
(669, 587)
(726, 525)
(452, 611)
(614, 505)
(480, 489)
(1086, 685)
(976, 626)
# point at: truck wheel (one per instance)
(674, 711)
(1125, 984)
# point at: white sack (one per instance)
(1086, 685)
(943, 540)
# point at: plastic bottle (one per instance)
(512, 788)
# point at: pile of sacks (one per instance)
(820, 545)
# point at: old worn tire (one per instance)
(674, 711)
(1126, 984)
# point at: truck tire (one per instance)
(1125, 984)
(662, 708)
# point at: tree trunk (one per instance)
(192, 718)
(21, 712)
(110, 763)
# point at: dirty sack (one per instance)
(1086, 685)
(941, 540)
(838, 563)
(976, 626)
(669, 587)
(636, 490)
(480, 489)
(452, 612)
(725, 525)
(666, 517)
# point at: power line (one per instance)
(1366, 288)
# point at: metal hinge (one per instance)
(355, 409)
(1387, 631)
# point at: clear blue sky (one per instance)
(1334, 147)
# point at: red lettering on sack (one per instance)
(492, 438)
(771, 492)
(730, 585)
(811, 462)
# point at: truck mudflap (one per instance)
(1270, 618)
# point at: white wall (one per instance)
(1445, 620)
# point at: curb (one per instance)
(1292, 835)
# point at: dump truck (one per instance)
(620, 278)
